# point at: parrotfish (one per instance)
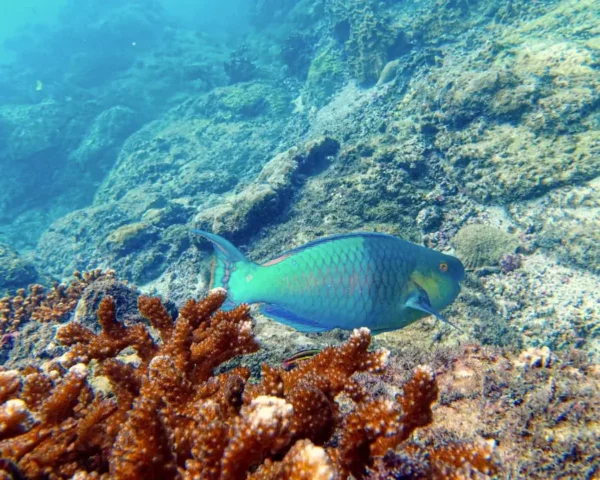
(344, 281)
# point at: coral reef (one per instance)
(45, 306)
(480, 109)
(165, 414)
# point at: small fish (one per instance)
(292, 362)
(39, 86)
(347, 281)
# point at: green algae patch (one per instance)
(325, 75)
(247, 101)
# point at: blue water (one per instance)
(36, 14)
(64, 62)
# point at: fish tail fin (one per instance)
(229, 263)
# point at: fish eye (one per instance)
(443, 267)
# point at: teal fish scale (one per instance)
(346, 281)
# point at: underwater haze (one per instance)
(470, 128)
(16, 15)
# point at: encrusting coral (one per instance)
(167, 415)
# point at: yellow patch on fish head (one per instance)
(440, 279)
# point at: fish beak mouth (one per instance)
(456, 287)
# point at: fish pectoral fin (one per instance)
(419, 300)
(297, 322)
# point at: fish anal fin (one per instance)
(290, 319)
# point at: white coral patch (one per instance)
(267, 411)
(427, 370)
(79, 370)
(360, 332)
(316, 461)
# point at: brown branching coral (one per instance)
(379, 425)
(43, 306)
(167, 415)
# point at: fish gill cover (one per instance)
(468, 127)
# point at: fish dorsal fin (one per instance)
(320, 241)
(419, 300)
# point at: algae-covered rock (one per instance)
(135, 237)
(369, 36)
(325, 75)
(34, 145)
(518, 116)
(504, 163)
(98, 148)
(243, 213)
(539, 132)
(31, 129)
(131, 235)
(480, 245)
(15, 272)
(245, 101)
(371, 185)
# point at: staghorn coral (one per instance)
(42, 306)
(166, 415)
